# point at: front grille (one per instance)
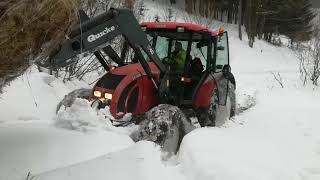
(110, 81)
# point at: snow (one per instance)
(74, 118)
(29, 138)
(35, 95)
(276, 136)
(38, 147)
(140, 161)
(270, 141)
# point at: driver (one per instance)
(179, 56)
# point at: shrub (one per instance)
(31, 28)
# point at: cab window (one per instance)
(222, 52)
(161, 48)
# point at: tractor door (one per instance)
(214, 76)
(222, 67)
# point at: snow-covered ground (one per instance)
(29, 140)
(277, 139)
(38, 147)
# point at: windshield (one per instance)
(165, 47)
(162, 47)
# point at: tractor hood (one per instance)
(136, 68)
(112, 79)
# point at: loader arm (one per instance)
(93, 35)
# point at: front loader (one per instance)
(160, 97)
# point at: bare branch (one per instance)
(278, 78)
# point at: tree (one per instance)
(261, 18)
(291, 18)
(240, 19)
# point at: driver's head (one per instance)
(177, 46)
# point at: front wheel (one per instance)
(164, 125)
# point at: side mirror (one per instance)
(226, 69)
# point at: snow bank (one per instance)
(33, 96)
(38, 147)
(278, 139)
(29, 140)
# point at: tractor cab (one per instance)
(190, 52)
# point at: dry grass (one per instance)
(26, 25)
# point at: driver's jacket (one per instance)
(180, 59)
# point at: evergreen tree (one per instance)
(261, 18)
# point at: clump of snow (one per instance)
(127, 117)
(245, 101)
(80, 116)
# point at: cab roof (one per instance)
(175, 25)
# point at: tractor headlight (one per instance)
(108, 96)
(97, 94)
(185, 79)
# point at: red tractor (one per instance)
(147, 73)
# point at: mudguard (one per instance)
(132, 92)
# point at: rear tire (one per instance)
(233, 99)
(212, 111)
(164, 125)
(217, 114)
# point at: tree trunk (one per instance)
(229, 16)
(261, 26)
(240, 19)
(249, 27)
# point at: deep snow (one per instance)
(276, 139)
(38, 147)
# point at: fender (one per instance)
(132, 91)
(204, 91)
(208, 85)
(136, 94)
